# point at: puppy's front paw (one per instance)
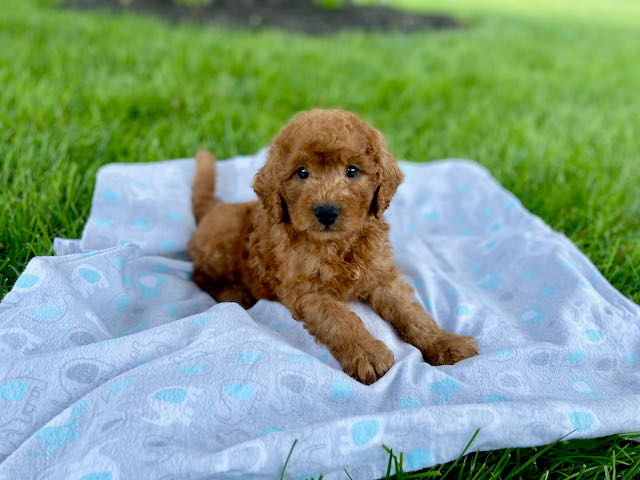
(367, 362)
(449, 348)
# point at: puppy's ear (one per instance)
(389, 175)
(266, 184)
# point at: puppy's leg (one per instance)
(222, 291)
(333, 323)
(217, 251)
(396, 304)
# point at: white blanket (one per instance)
(113, 364)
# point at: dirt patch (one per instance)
(291, 15)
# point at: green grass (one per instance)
(545, 95)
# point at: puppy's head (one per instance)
(326, 172)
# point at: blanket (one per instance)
(113, 364)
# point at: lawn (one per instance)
(545, 96)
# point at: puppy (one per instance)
(316, 239)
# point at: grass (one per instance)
(543, 94)
(611, 458)
(604, 458)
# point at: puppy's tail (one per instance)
(204, 183)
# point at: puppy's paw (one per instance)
(449, 348)
(367, 362)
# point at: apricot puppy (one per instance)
(316, 239)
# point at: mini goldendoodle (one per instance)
(316, 239)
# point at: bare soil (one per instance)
(291, 15)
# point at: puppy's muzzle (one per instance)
(327, 214)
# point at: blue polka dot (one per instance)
(45, 313)
(364, 431)
(585, 285)
(292, 354)
(150, 285)
(123, 302)
(97, 476)
(27, 280)
(411, 226)
(490, 281)
(118, 261)
(445, 388)
(13, 391)
(429, 212)
(171, 309)
(167, 244)
(141, 223)
(90, 275)
(594, 335)
(495, 227)
(203, 321)
(143, 182)
(110, 196)
(577, 356)
(102, 222)
(324, 358)
(269, 430)
(409, 403)
(193, 369)
(276, 327)
(465, 232)
(239, 391)
(340, 390)
(486, 212)
(463, 310)
(428, 305)
(474, 267)
(566, 265)
(175, 217)
(547, 291)
(503, 354)
(249, 357)
(491, 244)
(120, 385)
(171, 395)
(529, 274)
(496, 398)
(584, 387)
(581, 421)
(127, 281)
(632, 357)
(532, 316)
(418, 459)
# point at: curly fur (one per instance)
(277, 248)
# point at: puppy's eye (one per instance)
(352, 171)
(302, 173)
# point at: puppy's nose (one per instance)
(327, 214)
